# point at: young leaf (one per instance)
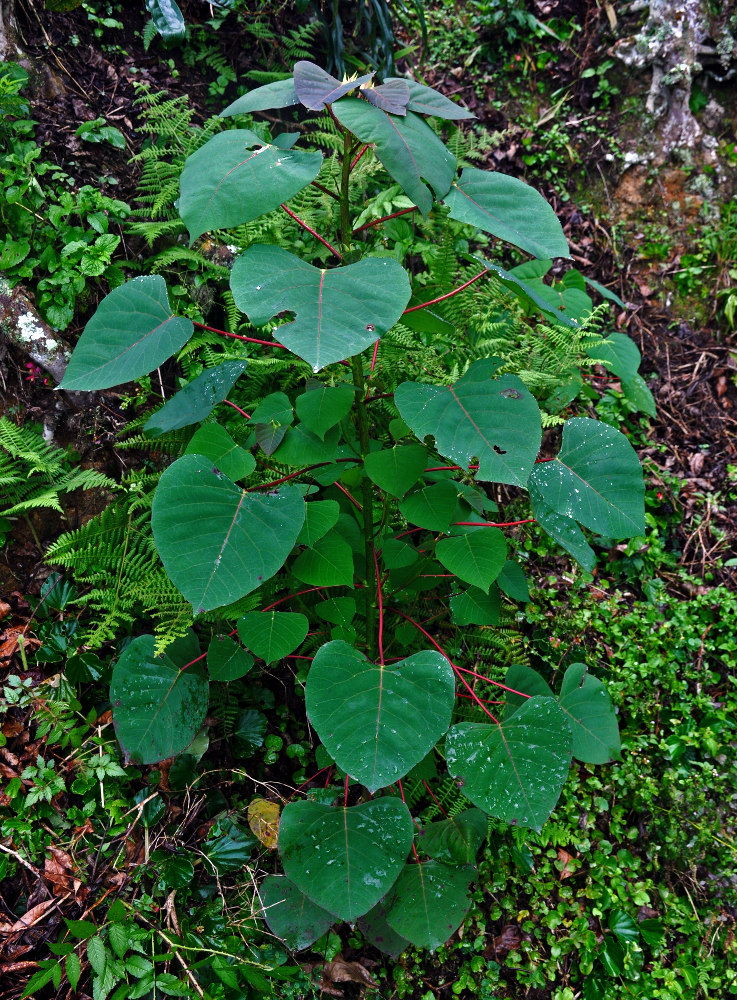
(428, 902)
(376, 721)
(619, 353)
(226, 182)
(476, 556)
(280, 94)
(132, 332)
(635, 389)
(457, 839)
(345, 859)
(290, 914)
(374, 927)
(426, 101)
(226, 660)
(243, 538)
(493, 419)
(528, 682)
(301, 447)
(158, 706)
(563, 530)
(508, 208)
(392, 96)
(395, 470)
(431, 508)
(320, 517)
(474, 607)
(530, 295)
(97, 955)
(339, 312)
(591, 715)
(512, 581)
(272, 635)
(218, 447)
(197, 399)
(407, 147)
(323, 408)
(73, 969)
(514, 770)
(596, 478)
(315, 87)
(328, 563)
(337, 610)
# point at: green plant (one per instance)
(367, 502)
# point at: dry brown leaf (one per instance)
(565, 857)
(32, 916)
(4, 609)
(508, 940)
(263, 819)
(340, 971)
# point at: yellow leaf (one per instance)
(263, 818)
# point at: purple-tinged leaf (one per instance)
(315, 88)
(392, 96)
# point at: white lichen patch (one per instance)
(31, 332)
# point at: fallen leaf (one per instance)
(4, 609)
(340, 971)
(32, 916)
(508, 940)
(565, 857)
(263, 819)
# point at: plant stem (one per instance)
(345, 206)
(312, 232)
(368, 514)
(448, 295)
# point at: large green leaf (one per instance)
(457, 839)
(197, 399)
(591, 715)
(596, 478)
(132, 332)
(301, 447)
(531, 295)
(374, 927)
(345, 859)
(474, 607)
(376, 721)
(280, 94)
(432, 507)
(320, 517)
(395, 470)
(242, 539)
(339, 312)
(315, 87)
(214, 442)
(407, 147)
(493, 419)
(158, 706)
(563, 530)
(226, 660)
(514, 770)
(476, 557)
(508, 208)
(426, 101)
(272, 635)
(513, 582)
(323, 408)
(429, 901)
(290, 914)
(327, 564)
(227, 182)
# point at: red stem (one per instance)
(381, 606)
(447, 295)
(485, 701)
(317, 775)
(290, 597)
(239, 336)
(300, 472)
(494, 524)
(384, 218)
(373, 359)
(433, 798)
(401, 792)
(312, 232)
(345, 793)
(343, 490)
(242, 412)
(488, 680)
(358, 157)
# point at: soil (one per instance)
(690, 445)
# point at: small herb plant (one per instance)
(387, 508)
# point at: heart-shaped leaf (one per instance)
(591, 715)
(596, 478)
(227, 182)
(301, 447)
(563, 530)
(158, 706)
(428, 902)
(345, 859)
(226, 660)
(476, 557)
(320, 517)
(426, 101)
(508, 208)
(328, 563)
(280, 94)
(619, 353)
(242, 538)
(513, 582)
(197, 399)
(323, 408)
(315, 87)
(474, 607)
(132, 332)
(514, 770)
(395, 470)
(522, 680)
(493, 419)
(290, 914)
(457, 839)
(339, 312)
(214, 442)
(433, 507)
(392, 96)
(272, 635)
(407, 147)
(376, 721)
